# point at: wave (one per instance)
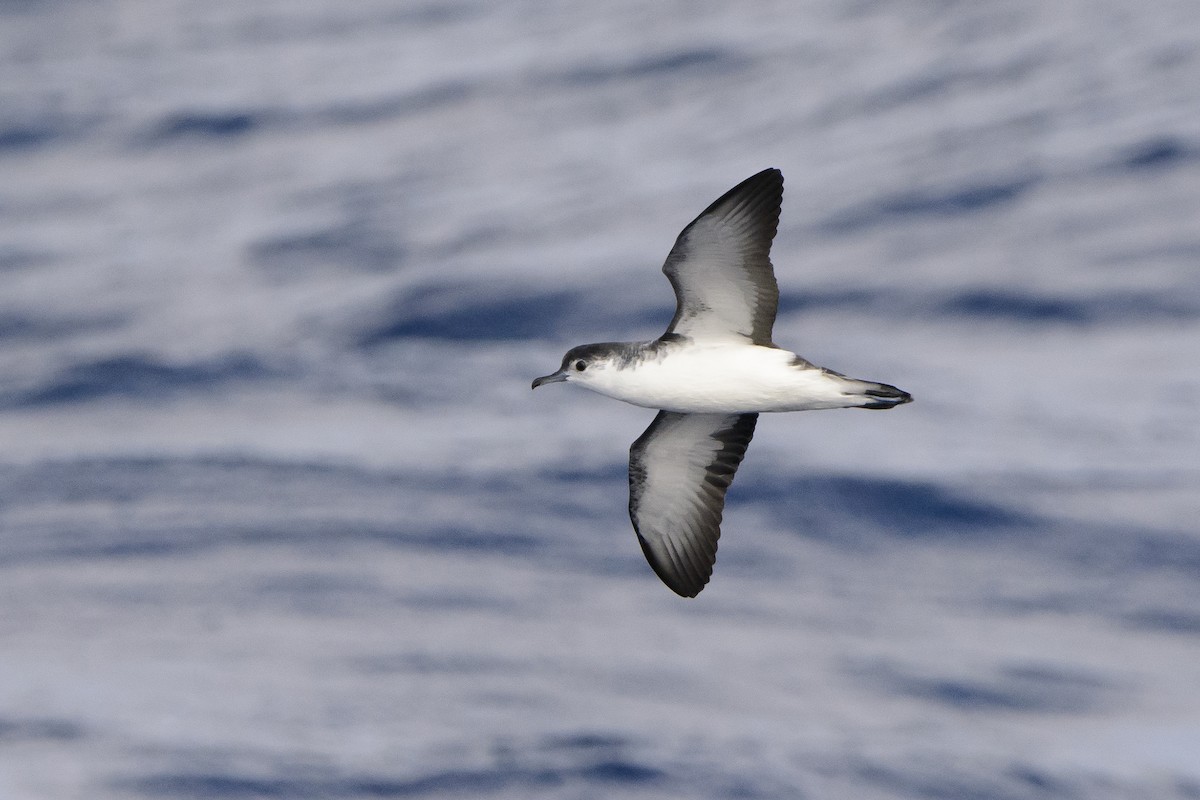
(136, 376)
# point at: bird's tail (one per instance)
(869, 394)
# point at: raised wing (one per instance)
(721, 269)
(679, 471)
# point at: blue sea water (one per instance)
(280, 517)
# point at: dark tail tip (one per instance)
(888, 396)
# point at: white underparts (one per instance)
(725, 378)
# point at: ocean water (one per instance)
(281, 518)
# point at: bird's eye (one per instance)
(580, 365)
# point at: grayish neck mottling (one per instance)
(627, 355)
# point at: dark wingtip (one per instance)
(672, 580)
(762, 188)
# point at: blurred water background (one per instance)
(280, 517)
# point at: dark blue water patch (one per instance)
(1003, 305)
(967, 695)
(220, 785)
(614, 473)
(586, 740)
(205, 125)
(952, 779)
(1185, 623)
(13, 730)
(21, 326)
(20, 135)
(1031, 688)
(81, 541)
(858, 513)
(506, 311)
(911, 90)
(139, 377)
(1008, 305)
(355, 245)
(502, 778)
(225, 125)
(452, 538)
(1158, 153)
(384, 109)
(620, 772)
(1038, 780)
(461, 783)
(1119, 307)
(200, 479)
(699, 60)
(968, 198)
(845, 509)
(473, 314)
(861, 300)
(23, 137)
(572, 761)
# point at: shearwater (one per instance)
(710, 375)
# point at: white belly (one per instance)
(724, 379)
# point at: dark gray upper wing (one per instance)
(679, 470)
(721, 269)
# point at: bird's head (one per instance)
(581, 365)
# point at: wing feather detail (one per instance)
(679, 471)
(720, 266)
